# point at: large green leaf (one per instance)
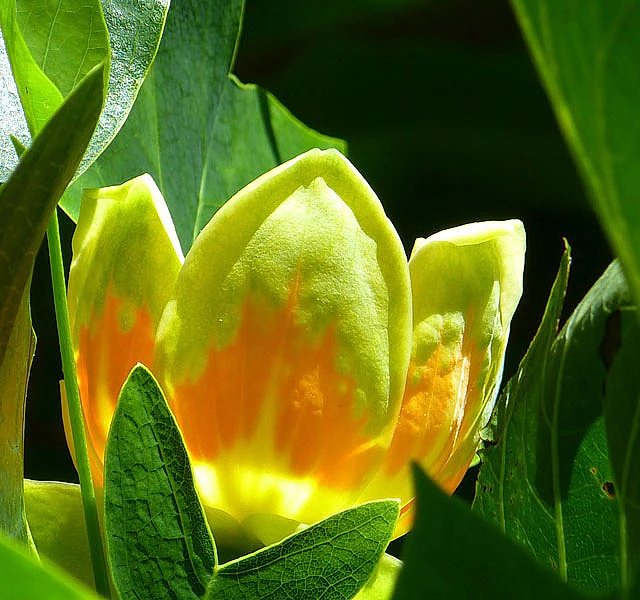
(25, 578)
(27, 200)
(200, 134)
(622, 412)
(587, 55)
(39, 96)
(53, 45)
(333, 558)
(453, 554)
(158, 540)
(135, 30)
(548, 483)
(66, 39)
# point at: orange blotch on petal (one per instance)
(428, 420)
(438, 421)
(107, 351)
(271, 402)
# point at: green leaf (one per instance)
(25, 578)
(14, 376)
(39, 96)
(331, 559)
(65, 40)
(591, 76)
(30, 195)
(158, 540)
(622, 412)
(27, 200)
(200, 134)
(547, 484)
(135, 30)
(454, 554)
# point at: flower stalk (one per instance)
(100, 571)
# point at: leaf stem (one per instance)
(100, 572)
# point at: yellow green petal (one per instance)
(284, 351)
(466, 284)
(126, 258)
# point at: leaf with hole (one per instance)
(549, 482)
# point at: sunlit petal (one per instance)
(285, 349)
(466, 283)
(125, 262)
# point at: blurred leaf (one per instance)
(622, 411)
(30, 195)
(333, 558)
(195, 130)
(56, 521)
(453, 554)
(14, 377)
(25, 578)
(548, 482)
(591, 76)
(158, 540)
(288, 19)
(65, 40)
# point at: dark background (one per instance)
(444, 116)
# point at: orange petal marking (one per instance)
(275, 392)
(106, 354)
(439, 404)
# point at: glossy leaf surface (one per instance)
(28, 198)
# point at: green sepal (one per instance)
(560, 471)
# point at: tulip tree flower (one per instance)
(306, 361)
